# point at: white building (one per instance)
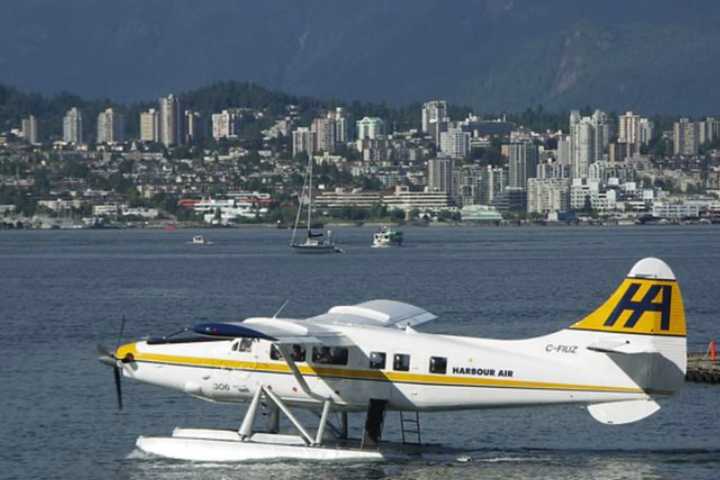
(324, 130)
(545, 195)
(589, 138)
(401, 198)
(150, 126)
(675, 210)
(455, 143)
(686, 137)
(225, 124)
(194, 127)
(370, 128)
(303, 141)
(342, 125)
(30, 129)
(110, 127)
(584, 192)
(73, 126)
(171, 121)
(435, 119)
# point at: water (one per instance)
(63, 292)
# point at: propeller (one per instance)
(108, 358)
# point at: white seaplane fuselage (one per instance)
(478, 373)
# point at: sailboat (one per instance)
(314, 242)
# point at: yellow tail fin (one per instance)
(647, 302)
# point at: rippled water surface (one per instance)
(63, 292)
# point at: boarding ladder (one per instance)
(410, 425)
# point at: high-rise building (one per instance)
(30, 129)
(523, 163)
(545, 195)
(647, 131)
(455, 143)
(634, 129)
(303, 141)
(441, 175)
(73, 126)
(629, 128)
(110, 127)
(370, 128)
(493, 182)
(589, 138)
(563, 150)
(712, 129)
(225, 124)
(435, 119)
(150, 126)
(324, 130)
(194, 127)
(342, 125)
(468, 185)
(686, 137)
(171, 121)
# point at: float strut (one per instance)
(323, 422)
(343, 425)
(247, 424)
(306, 436)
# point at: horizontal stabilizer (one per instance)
(618, 413)
(621, 347)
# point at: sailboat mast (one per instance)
(310, 186)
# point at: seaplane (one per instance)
(618, 361)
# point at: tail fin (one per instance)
(641, 327)
(647, 302)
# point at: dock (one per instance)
(701, 368)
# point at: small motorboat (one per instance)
(200, 240)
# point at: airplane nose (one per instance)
(126, 353)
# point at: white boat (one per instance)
(387, 237)
(315, 242)
(200, 240)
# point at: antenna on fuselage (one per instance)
(282, 307)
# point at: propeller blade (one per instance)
(118, 387)
(122, 330)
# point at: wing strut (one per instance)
(287, 356)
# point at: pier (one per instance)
(701, 368)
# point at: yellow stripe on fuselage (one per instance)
(372, 375)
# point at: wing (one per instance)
(322, 328)
(375, 313)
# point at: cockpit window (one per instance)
(243, 345)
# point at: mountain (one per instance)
(496, 55)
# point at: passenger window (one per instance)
(377, 360)
(298, 353)
(401, 362)
(438, 365)
(330, 355)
